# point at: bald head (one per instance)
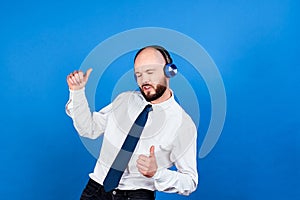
(149, 56)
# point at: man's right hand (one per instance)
(77, 80)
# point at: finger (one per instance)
(152, 151)
(143, 157)
(143, 162)
(74, 72)
(77, 77)
(80, 74)
(87, 74)
(74, 80)
(70, 80)
(142, 168)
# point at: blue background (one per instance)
(255, 45)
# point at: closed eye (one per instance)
(150, 71)
(138, 74)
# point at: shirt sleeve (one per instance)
(185, 180)
(88, 124)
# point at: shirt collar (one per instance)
(163, 105)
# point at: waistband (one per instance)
(124, 193)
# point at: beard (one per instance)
(159, 91)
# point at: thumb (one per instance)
(88, 72)
(152, 151)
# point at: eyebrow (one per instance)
(147, 70)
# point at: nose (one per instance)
(143, 79)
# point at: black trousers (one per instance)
(95, 191)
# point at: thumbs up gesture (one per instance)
(147, 164)
(77, 80)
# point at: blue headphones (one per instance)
(170, 69)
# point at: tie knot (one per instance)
(148, 108)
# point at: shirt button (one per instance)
(114, 192)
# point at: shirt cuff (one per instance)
(77, 95)
(75, 98)
(159, 174)
(76, 91)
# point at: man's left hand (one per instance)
(147, 164)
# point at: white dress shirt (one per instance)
(168, 128)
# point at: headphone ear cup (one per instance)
(170, 70)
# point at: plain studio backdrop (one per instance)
(254, 44)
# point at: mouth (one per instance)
(147, 87)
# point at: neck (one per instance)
(167, 94)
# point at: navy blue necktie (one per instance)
(120, 163)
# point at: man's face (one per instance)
(148, 69)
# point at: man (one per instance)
(166, 135)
